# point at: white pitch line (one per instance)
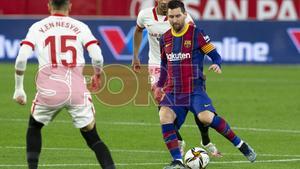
(257, 161)
(256, 80)
(147, 164)
(142, 151)
(156, 125)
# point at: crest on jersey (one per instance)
(294, 34)
(187, 43)
(119, 44)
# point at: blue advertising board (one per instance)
(270, 42)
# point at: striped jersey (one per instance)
(182, 57)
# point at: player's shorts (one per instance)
(182, 103)
(81, 115)
(154, 73)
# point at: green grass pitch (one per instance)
(262, 104)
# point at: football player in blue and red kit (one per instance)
(181, 84)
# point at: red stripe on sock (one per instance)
(230, 135)
(222, 126)
(173, 144)
(169, 133)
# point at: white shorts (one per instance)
(81, 115)
(154, 73)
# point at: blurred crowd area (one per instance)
(287, 10)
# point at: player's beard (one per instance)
(177, 27)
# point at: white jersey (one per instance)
(156, 26)
(59, 39)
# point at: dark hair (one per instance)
(58, 4)
(173, 4)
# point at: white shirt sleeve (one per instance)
(96, 55)
(30, 39)
(140, 19)
(21, 61)
(189, 19)
(87, 37)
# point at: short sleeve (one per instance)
(140, 20)
(162, 49)
(87, 37)
(204, 42)
(30, 39)
(189, 19)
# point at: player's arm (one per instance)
(158, 93)
(97, 62)
(163, 73)
(89, 41)
(209, 49)
(137, 38)
(216, 59)
(25, 51)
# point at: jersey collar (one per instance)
(155, 15)
(185, 29)
(57, 14)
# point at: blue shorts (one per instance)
(182, 103)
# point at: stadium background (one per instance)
(258, 92)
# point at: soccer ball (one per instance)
(196, 158)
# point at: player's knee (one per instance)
(166, 115)
(88, 127)
(34, 124)
(91, 137)
(206, 117)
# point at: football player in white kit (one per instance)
(155, 21)
(59, 41)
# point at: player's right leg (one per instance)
(167, 117)
(33, 143)
(181, 142)
(93, 140)
(154, 73)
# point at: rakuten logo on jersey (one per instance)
(178, 56)
(232, 50)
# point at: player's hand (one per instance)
(216, 68)
(20, 96)
(96, 82)
(153, 87)
(158, 94)
(136, 65)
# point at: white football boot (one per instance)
(212, 149)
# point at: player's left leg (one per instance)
(33, 143)
(40, 116)
(203, 108)
(84, 119)
(205, 142)
(93, 140)
(222, 127)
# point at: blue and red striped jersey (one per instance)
(182, 57)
